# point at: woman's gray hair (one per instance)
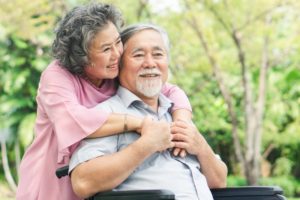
(77, 30)
(129, 31)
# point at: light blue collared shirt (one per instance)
(161, 170)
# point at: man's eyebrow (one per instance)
(155, 48)
(137, 50)
(158, 48)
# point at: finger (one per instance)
(182, 145)
(172, 124)
(181, 124)
(182, 153)
(172, 144)
(176, 129)
(179, 137)
(176, 151)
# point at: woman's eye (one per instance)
(106, 49)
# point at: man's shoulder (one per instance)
(112, 104)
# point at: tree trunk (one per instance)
(17, 155)
(7, 172)
(249, 155)
(224, 90)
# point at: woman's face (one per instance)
(104, 54)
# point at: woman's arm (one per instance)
(117, 123)
(71, 116)
(178, 97)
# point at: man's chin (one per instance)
(149, 88)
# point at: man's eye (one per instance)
(158, 54)
(138, 55)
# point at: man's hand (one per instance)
(156, 134)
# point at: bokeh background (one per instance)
(237, 60)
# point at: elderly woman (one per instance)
(87, 50)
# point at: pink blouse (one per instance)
(66, 114)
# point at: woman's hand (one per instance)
(181, 115)
(187, 137)
(177, 151)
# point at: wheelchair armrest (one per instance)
(62, 171)
(248, 193)
(135, 195)
(228, 193)
(124, 195)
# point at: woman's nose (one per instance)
(116, 52)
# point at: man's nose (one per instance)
(149, 61)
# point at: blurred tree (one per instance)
(29, 19)
(235, 23)
(26, 30)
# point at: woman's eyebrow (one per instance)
(108, 44)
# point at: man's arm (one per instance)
(107, 172)
(186, 136)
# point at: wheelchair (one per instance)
(228, 193)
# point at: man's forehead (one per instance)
(145, 39)
(143, 48)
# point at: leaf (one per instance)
(26, 129)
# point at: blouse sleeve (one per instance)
(178, 96)
(71, 120)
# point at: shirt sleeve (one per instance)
(93, 148)
(71, 120)
(177, 96)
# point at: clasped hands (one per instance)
(182, 136)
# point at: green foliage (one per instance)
(233, 181)
(283, 167)
(290, 185)
(20, 70)
(25, 129)
(28, 19)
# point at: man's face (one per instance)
(144, 64)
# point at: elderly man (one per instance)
(144, 161)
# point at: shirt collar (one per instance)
(129, 98)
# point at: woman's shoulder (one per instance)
(55, 71)
(55, 67)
